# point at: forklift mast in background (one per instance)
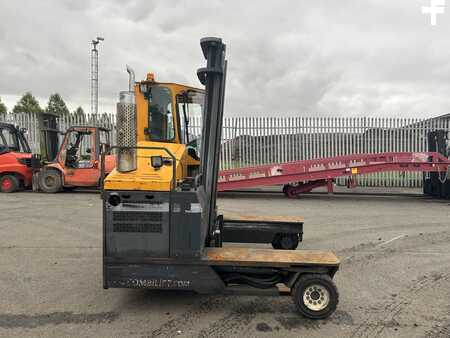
(48, 134)
(437, 184)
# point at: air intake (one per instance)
(126, 127)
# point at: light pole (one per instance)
(94, 75)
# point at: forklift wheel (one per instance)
(50, 181)
(285, 241)
(9, 183)
(285, 189)
(315, 296)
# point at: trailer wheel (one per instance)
(315, 295)
(285, 241)
(9, 183)
(50, 181)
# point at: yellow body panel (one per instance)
(145, 177)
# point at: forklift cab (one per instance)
(77, 150)
(170, 108)
(82, 146)
(78, 161)
(15, 158)
(13, 139)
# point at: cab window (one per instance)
(9, 139)
(190, 110)
(161, 126)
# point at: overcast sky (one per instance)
(322, 57)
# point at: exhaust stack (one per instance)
(126, 126)
(131, 79)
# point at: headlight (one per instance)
(157, 162)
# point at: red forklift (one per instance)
(15, 159)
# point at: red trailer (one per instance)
(303, 176)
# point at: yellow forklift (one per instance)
(161, 227)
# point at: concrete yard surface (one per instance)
(394, 279)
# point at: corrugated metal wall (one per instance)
(249, 141)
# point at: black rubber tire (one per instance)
(285, 241)
(289, 241)
(285, 189)
(50, 181)
(276, 241)
(303, 283)
(13, 183)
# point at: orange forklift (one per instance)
(77, 162)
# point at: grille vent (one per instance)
(137, 221)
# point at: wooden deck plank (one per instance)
(262, 218)
(241, 256)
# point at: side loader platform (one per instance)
(305, 275)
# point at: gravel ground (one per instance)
(394, 279)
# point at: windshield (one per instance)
(190, 109)
(161, 126)
(8, 139)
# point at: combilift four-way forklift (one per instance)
(161, 228)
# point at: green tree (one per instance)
(3, 109)
(56, 105)
(27, 104)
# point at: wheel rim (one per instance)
(6, 184)
(49, 181)
(316, 297)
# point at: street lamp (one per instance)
(94, 75)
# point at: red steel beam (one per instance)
(331, 167)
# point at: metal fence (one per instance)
(252, 141)
(249, 141)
